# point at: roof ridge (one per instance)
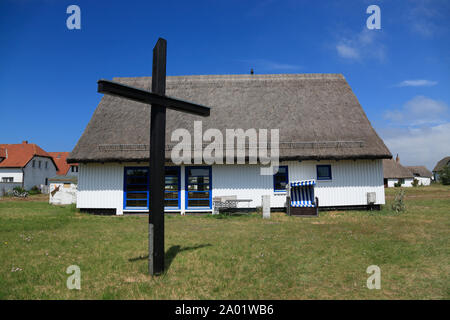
(247, 77)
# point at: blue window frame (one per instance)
(172, 188)
(324, 172)
(137, 183)
(281, 179)
(198, 187)
(135, 188)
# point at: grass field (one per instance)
(238, 257)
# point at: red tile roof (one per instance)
(60, 159)
(18, 155)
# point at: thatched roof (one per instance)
(394, 170)
(420, 171)
(441, 164)
(318, 115)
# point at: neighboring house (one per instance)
(64, 169)
(394, 173)
(422, 174)
(25, 165)
(324, 135)
(439, 166)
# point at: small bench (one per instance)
(227, 202)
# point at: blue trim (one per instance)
(186, 183)
(317, 172)
(141, 184)
(179, 189)
(148, 187)
(287, 179)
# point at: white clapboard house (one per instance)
(421, 174)
(324, 137)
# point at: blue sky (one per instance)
(400, 73)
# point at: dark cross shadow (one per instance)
(171, 254)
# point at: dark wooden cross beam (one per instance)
(159, 102)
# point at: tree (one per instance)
(444, 175)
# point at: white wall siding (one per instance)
(246, 182)
(100, 186)
(15, 173)
(351, 181)
(407, 183)
(423, 181)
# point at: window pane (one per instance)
(137, 180)
(171, 187)
(137, 187)
(171, 203)
(323, 172)
(137, 195)
(201, 195)
(198, 203)
(280, 179)
(171, 180)
(198, 172)
(137, 172)
(171, 195)
(200, 187)
(195, 180)
(172, 171)
(136, 203)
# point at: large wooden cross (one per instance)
(159, 102)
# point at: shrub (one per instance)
(415, 182)
(399, 204)
(444, 175)
(35, 190)
(19, 189)
(397, 184)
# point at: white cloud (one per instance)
(346, 51)
(365, 44)
(419, 111)
(419, 131)
(419, 146)
(417, 83)
(427, 17)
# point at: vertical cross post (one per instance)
(156, 166)
(159, 102)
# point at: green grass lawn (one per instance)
(238, 257)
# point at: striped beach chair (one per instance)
(301, 198)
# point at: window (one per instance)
(324, 172)
(74, 168)
(137, 184)
(33, 164)
(46, 164)
(136, 188)
(7, 179)
(198, 187)
(172, 188)
(280, 179)
(39, 164)
(401, 181)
